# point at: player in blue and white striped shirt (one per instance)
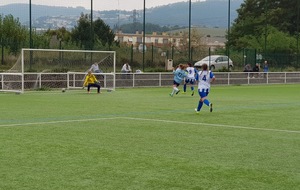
(190, 79)
(204, 78)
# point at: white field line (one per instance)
(54, 122)
(209, 124)
(144, 119)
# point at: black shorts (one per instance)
(175, 83)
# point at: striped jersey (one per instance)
(204, 78)
(191, 72)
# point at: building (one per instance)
(158, 40)
(161, 40)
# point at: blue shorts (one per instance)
(203, 93)
(191, 81)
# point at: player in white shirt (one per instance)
(95, 68)
(190, 79)
(204, 78)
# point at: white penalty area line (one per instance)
(145, 119)
(209, 124)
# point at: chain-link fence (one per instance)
(62, 18)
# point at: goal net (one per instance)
(57, 60)
(11, 82)
(12, 79)
(52, 68)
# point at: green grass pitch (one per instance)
(144, 139)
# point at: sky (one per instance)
(100, 4)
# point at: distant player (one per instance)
(204, 78)
(95, 68)
(190, 79)
(179, 75)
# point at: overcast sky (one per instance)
(100, 4)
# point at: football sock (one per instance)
(173, 92)
(206, 102)
(192, 88)
(199, 106)
(184, 88)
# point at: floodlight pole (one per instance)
(92, 28)
(144, 35)
(297, 32)
(30, 26)
(190, 18)
(30, 34)
(228, 34)
(2, 49)
(266, 27)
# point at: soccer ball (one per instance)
(63, 90)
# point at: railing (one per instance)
(222, 78)
(135, 80)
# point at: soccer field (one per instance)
(143, 139)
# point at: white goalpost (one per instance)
(58, 68)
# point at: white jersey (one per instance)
(191, 72)
(95, 68)
(204, 78)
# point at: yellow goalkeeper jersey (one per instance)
(89, 79)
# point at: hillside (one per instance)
(213, 13)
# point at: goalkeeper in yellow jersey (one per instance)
(91, 81)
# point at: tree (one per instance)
(82, 33)
(12, 34)
(103, 33)
(61, 34)
(278, 41)
(40, 41)
(196, 42)
(61, 37)
(257, 19)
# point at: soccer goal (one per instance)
(58, 68)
